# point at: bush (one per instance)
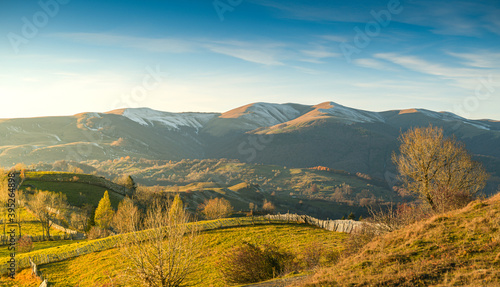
(96, 232)
(25, 244)
(311, 256)
(248, 263)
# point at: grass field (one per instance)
(105, 267)
(78, 188)
(77, 193)
(29, 223)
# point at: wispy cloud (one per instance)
(465, 78)
(317, 54)
(417, 64)
(324, 11)
(261, 53)
(465, 18)
(373, 64)
(482, 59)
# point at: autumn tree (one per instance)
(251, 206)
(314, 188)
(127, 216)
(438, 169)
(217, 208)
(128, 182)
(177, 207)
(165, 252)
(268, 206)
(104, 212)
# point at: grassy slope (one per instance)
(29, 223)
(83, 189)
(4, 251)
(106, 266)
(460, 248)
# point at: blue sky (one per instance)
(62, 57)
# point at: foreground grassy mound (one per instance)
(99, 268)
(459, 248)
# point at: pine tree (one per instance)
(351, 216)
(104, 212)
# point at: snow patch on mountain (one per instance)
(350, 114)
(263, 114)
(447, 116)
(146, 117)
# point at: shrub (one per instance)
(311, 256)
(96, 232)
(25, 244)
(249, 263)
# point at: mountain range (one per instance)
(294, 135)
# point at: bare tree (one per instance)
(438, 168)
(79, 220)
(216, 208)
(126, 218)
(164, 253)
(47, 206)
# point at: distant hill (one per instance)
(319, 192)
(293, 135)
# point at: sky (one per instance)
(63, 57)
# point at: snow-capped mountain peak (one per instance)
(264, 114)
(349, 114)
(147, 116)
